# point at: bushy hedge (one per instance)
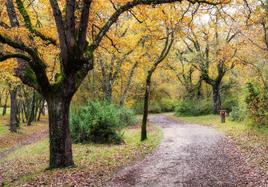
(194, 107)
(99, 122)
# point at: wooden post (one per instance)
(223, 115)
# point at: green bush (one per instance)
(257, 106)
(238, 113)
(138, 108)
(154, 107)
(99, 122)
(229, 103)
(167, 105)
(194, 107)
(127, 116)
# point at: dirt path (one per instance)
(190, 155)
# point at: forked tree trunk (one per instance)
(59, 132)
(13, 117)
(216, 99)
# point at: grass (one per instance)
(8, 139)
(251, 140)
(94, 163)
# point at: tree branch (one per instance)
(83, 25)
(5, 56)
(29, 25)
(60, 29)
(70, 23)
(17, 45)
(129, 6)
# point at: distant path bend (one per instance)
(190, 155)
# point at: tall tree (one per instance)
(167, 46)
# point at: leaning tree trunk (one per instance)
(216, 99)
(59, 132)
(145, 108)
(13, 117)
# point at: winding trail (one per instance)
(190, 155)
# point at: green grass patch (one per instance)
(95, 163)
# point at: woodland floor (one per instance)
(191, 155)
(26, 163)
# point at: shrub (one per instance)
(138, 108)
(194, 107)
(229, 103)
(257, 106)
(167, 105)
(164, 105)
(99, 122)
(154, 107)
(238, 113)
(127, 116)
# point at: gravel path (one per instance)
(190, 155)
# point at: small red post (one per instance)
(223, 115)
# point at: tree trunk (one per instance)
(145, 108)
(32, 111)
(5, 105)
(108, 91)
(216, 99)
(59, 132)
(13, 117)
(41, 109)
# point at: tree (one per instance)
(213, 50)
(75, 61)
(168, 43)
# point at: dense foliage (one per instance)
(99, 122)
(194, 107)
(257, 105)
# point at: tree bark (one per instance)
(13, 117)
(5, 105)
(59, 132)
(216, 99)
(108, 91)
(145, 108)
(32, 111)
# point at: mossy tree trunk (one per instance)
(59, 132)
